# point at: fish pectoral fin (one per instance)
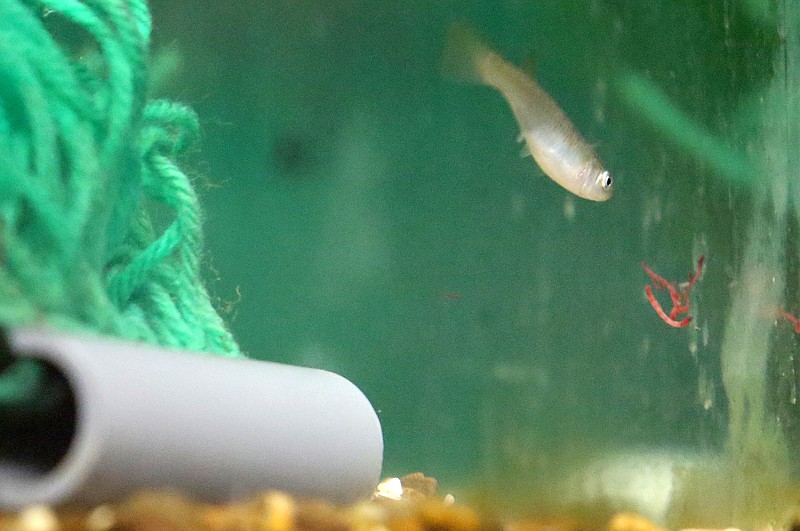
(526, 150)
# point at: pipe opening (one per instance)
(38, 425)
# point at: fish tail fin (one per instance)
(464, 53)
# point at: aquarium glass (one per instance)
(366, 214)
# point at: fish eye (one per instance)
(606, 181)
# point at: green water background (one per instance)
(368, 216)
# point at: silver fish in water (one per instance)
(553, 141)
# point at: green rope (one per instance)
(84, 160)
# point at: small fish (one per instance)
(553, 141)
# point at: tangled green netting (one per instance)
(87, 167)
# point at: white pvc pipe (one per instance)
(212, 427)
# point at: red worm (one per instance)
(680, 299)
(795, 321)
(672, 322)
